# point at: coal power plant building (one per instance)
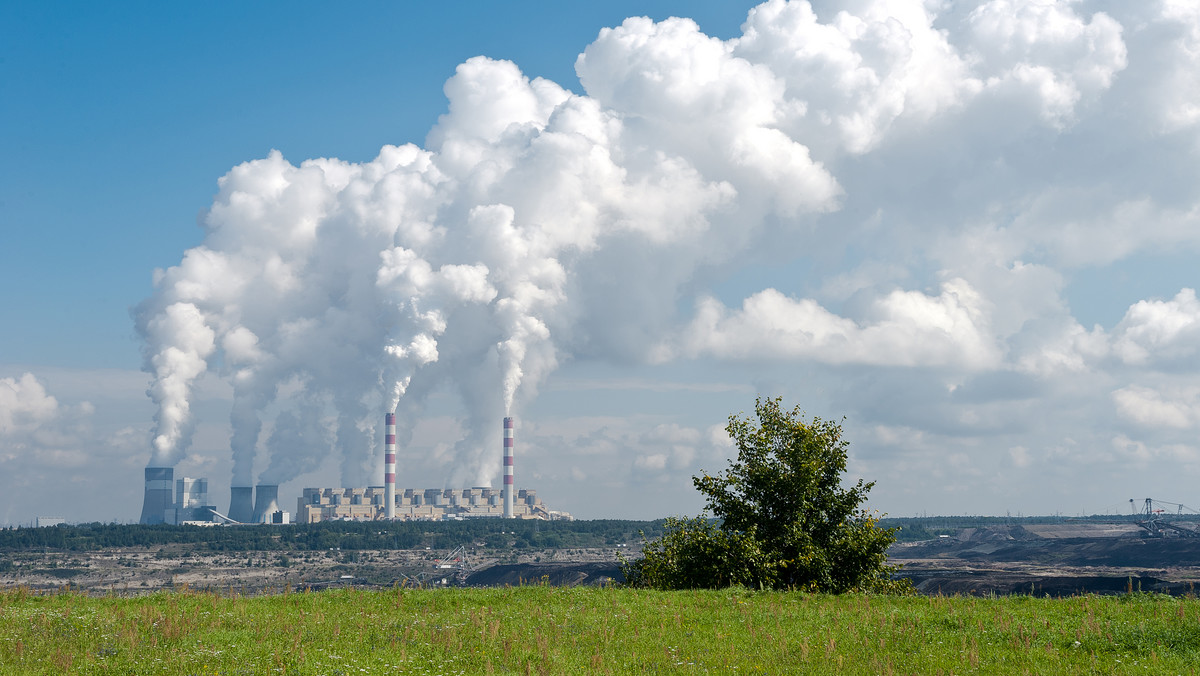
(415, 504)
(186, 500)
(174, 501)
(428, 504)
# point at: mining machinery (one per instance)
(1155, 525)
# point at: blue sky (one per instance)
(968, 228)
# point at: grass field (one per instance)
(551, 630)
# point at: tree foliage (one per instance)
(346, 535)
(694, 553)
(784, 519)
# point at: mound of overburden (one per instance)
(1051, 559)
(555, 574)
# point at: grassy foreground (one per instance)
(549, 630)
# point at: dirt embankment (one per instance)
(1058, 560)
(136, 571)
(554, 574)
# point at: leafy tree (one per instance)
(785, 520)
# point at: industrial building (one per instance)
(186, 500)
(191, 502)
(430, 504)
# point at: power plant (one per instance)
(260, 504)
(186, 500)
(415, 504)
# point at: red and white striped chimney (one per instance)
(389, 466)
(508, 468)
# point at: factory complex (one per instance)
(185, 500)
(415, 504)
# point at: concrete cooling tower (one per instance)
(159, 495)
(241, 504)
(266, 503)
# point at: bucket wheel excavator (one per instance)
(1152, 519)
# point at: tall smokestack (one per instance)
(266, 502)
(508, 468)
(241, 504)
(159, 497)
(389, 466)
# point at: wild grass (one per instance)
(550, 630)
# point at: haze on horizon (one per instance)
(968, 228)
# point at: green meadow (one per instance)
(554, 630)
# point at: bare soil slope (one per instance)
(135, 571)
(1057, 560)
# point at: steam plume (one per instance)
(538, 225)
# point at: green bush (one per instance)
(785, 521)
(695, 553)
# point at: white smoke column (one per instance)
(246, 363)
(300, 441)
(523, 329)
(422, 296)
(185, 341)
(485, 137)
(246, 425)
(468, 367)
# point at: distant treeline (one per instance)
(346, 535)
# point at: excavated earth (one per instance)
(1055, 560)
(143, 570)
(555, 574)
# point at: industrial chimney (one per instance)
(508, 468)
(241, 504)
(389, 466)
(266, 502)
(159, 495)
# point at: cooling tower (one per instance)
(241, 504)
(159, 494)
(389, 466)
(266, 502)
(508, 468)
